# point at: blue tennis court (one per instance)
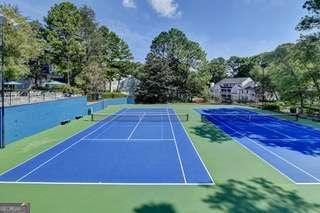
(290, 147)
(132, 146)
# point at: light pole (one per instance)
(3, 20)
(263, 66)
(2, 138)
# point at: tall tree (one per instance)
(216, 68)
(63, 34)
(289, 79)
(20, 43)
(307, 54)
(114, 55)
(172, 58)
(88, 33)
(122, 60)
(312, 20)
(39, 63)
(239, 67)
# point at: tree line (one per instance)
(71, 42)
(176, 68)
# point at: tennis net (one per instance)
(257, 118)
(143, 117)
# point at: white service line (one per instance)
(275, 154)
(195, 149)
(59, 153)
(62, 141)
(177, 149)
(126, 139)
(274, 130)
(108, 183)
(134, 129)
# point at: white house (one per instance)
(235, 90)
(126, 85)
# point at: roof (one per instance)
(232, 80)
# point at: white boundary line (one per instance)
(134, 129)
(109, 183)
(104, 130)
(296, 124)
(62, 141)
(281, 158)
(126, 139)
(177, 150)
(255, 154)
(289, 139)
(273, 130)
(255, 124)
(63, 151)
(93, 183)
(196, 150)
(51, 147)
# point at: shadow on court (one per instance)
(155, 208)
(257, 195)
(308, 147)
(209, 132)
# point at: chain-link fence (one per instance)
(28, 97)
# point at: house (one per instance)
(129, 85)
(235, 90)
(126, 85)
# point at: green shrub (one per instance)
(293, 110)
(113, 95)
(68, 89)
(271, 107)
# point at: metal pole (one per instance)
(263, 93)
(68, 67)
(263, 66)
(2, 138)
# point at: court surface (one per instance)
(291, 148)
(132, 146)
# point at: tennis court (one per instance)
(290, 147)
(132, 146)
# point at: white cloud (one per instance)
(166, 8)
(129, 3)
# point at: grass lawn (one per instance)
(244, 183)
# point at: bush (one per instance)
(113, 95)
(67, 89)
(198, 100)
(293, 110)
(271, 107)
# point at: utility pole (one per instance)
(2, 138)
(263, 66)
(3, 21)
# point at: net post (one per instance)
(203, 118)
(92, 118)
(187, 116)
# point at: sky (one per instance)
(223, 28)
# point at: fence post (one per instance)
(29, 97)
(10, 98)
